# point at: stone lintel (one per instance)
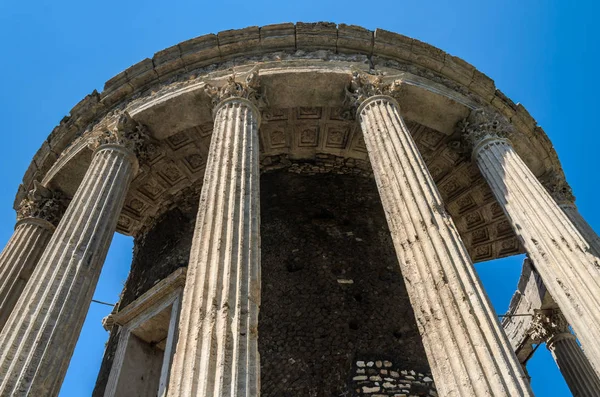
(164, 288)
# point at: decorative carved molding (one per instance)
(125, 132)
(248, 89)
(42, 203)
(558, 188)
(548, 324)
(364, 86)
(483, 124)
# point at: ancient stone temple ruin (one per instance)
(307, 202)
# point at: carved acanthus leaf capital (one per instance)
(126, 132)
(249, 89)
(363, 86)
(42, 203)
(558, 188)
(548, 324)
(483, 124)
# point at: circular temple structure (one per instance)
(307, 201)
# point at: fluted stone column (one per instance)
(582, 226)
(39, 338)
(563, 196)
(553, 329)
(37, 218)
(566, 262)
(217, 351)
(468, 353)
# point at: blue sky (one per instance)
(540, 53)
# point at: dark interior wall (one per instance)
(161, 251)
(333, 299)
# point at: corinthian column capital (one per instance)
(484, 126)
(248, 89)
(364, 86)
(552, 328)
(42, 203)
(548, 325)
(125, 132)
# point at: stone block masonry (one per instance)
(383, 378)
(332, 289)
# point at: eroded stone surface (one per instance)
(217, 346)
(40, 336)
(461, 336)
(332, 290)
(386, 379)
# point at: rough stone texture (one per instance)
(18, 260)
(332, 290)
(462, 337)
(161, 251)
(382, 378)
(38, 340)
(582, 226)
(217, 347)
(564, 259)
(322, 164)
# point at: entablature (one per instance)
(305, 119)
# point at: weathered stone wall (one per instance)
(159, 253)
(332, 293)
(379, 378)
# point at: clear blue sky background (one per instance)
(540, 53)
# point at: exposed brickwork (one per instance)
(159, 253)
(332, 292)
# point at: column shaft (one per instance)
(575, 367)
(468, 352)
(18, 259)
(563, 258)
(39, 338)
(582, 226)
(217, 350)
